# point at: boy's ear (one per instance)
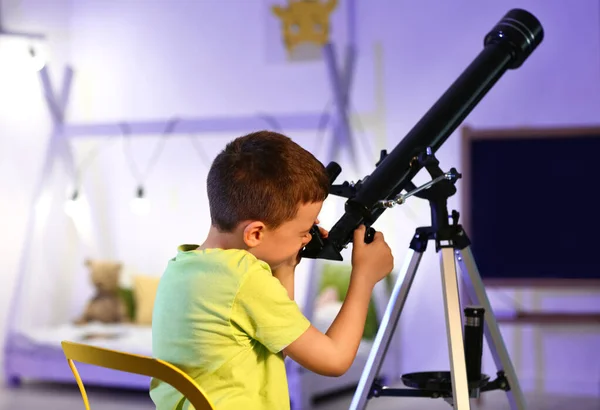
(254, 233)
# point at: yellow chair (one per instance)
(136, 364)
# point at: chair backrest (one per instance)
(132, 363)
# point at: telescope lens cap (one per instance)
(520, 31)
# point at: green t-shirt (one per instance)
(223, 318)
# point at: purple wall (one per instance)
(153, 60)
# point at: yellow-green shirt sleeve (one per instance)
(264, 310)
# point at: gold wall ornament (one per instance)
(306, 27)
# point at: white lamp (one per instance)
(38, 59)
(140, 205)
(73, 205)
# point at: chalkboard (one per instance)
(531, 203)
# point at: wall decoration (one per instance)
(305, 27)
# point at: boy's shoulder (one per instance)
(236, 260)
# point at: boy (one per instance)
(224, 311)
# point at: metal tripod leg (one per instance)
(458, 365)
(386, 330)
(474, 286)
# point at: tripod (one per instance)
(464, 379)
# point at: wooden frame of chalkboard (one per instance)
(468, 135)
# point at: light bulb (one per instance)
(73, 205)
(38, 59)
(139, 204)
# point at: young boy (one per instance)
(224, 311)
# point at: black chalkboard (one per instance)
(532, 202)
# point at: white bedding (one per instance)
(125, 337)
(138, 339)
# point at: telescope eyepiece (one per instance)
(520, 32)
(333, 170)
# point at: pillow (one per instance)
(144, 293)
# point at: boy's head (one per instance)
(268, 190)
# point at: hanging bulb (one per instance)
(73, 205)
(38, 60)
(139, 204)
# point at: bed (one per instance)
(36, 355)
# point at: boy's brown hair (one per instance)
(263, 176)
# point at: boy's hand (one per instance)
(373, 261)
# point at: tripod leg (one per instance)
(386, 331)
(474, 285)
(454, 328)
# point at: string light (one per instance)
(73, 205)
(140, 205)
(38, 58)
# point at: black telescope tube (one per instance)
(506, 46)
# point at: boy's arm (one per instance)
(332, 353)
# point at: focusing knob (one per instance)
(369, 235)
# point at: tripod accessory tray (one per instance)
(438, 381)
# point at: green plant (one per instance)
(338, 277)
(127, 296)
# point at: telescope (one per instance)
(510, 42)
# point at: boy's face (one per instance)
(281, 245)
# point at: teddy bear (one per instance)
(107, 305)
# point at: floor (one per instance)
(55, 397)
